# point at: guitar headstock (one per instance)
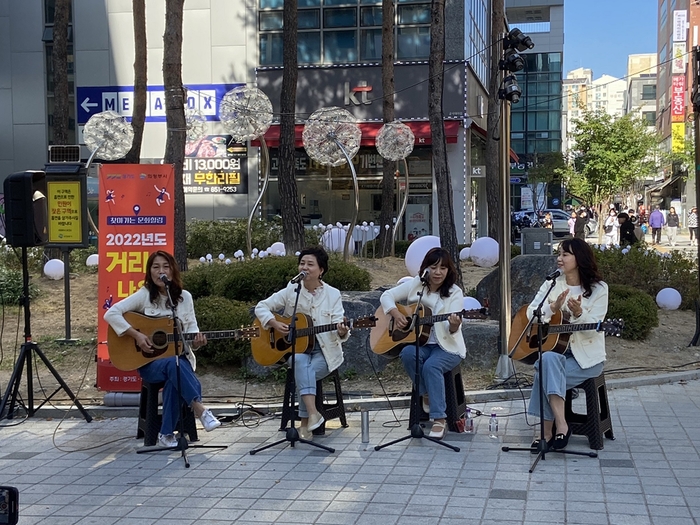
(476, 313)
(368, 321)
(612, 327)
(248, 332)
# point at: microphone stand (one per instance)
(182, 444)
(543, 447)
(291, 433)
(416, 431)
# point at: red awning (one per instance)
(421, 130)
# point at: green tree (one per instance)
(609, 154)
(548, 169)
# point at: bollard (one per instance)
(364, 415)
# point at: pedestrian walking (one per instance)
(672, 222)
(656, 221)
(693, 226)
(612, 228)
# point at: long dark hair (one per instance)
(585, 259)
(175, 281)
(434, 256)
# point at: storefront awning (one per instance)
(421, 130)
(661, 185)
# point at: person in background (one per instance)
(547, 222)
(572, 222)
(612, 228)
(693, 226)
(152, 300)
(627, 235)
(445, 347)
(580, 225)
(672, 223)
(656, 221)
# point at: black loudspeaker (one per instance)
(26, 209)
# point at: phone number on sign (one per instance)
(136, 239)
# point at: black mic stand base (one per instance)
(544, 449)
(182, 445)
(292, 437)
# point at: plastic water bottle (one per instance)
(468, 421)
(493, 424)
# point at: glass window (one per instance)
(649, 92)
(371, 16)
(270, 20)
(413, 43)
(308, 3)
(370, 1)
(339, 2)
(309, 19)
(346, 17)
(270, 49)
(371, 44)
(650, 117)
(339, 46)
(309, 48)
(414, 14)
(271, 4)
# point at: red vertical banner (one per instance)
(136, 218)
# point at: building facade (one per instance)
(228, 44)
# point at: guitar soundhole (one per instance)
(160, 343)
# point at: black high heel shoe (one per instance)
(561, 440)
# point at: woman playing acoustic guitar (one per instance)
(152, 300)
(445, 346)
(581, 294)
(323, 304)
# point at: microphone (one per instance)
(298, 278)
(556, 273)
(424, 278)
(165, 279)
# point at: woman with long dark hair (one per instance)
(445, 347)
(582, 297)
(152, 300)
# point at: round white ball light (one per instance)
(334, 240)
(53, 269)
(91, 260)
(417, 250)
(278, 248)
(668, 299)
(471, 303)
(484, 252)
(464, 254)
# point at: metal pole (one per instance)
(66, 294)
(695, 99)
(266, 179)
(356, 189)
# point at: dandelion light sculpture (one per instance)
(246, 114)
(395, 142)
(332, 137)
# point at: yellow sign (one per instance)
(677, 137)
(65, 217)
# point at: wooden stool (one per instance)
(596, 421)
(456, 403)
(150, 419)
(328, 410)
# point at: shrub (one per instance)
(650, 271)
(11, 287)
(400, 248)
(218, 313)
(636, 308)
(78, 258)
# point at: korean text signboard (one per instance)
(67, 206)
(215, 165)
(136, 219)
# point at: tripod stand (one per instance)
(182, 444)
(9, 400)
(542, 447)
(416, 431)
(292, 434)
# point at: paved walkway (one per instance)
(73, 472)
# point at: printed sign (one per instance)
(67, 203)
(679, 59)
(678, 98)
(214, 164)
(136, 219)
(677, 137)
(680, 21)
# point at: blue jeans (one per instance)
(433, 362)
(166, 370)
(561, 372)
(308, 368)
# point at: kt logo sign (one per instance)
(351, 94)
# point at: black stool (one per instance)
(596, 421)
(150, 419)
(456, 403)
(328, 410)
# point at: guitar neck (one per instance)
(218, 334)
(432, 319)
(566, 328)
(313, 330)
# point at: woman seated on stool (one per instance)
(582, 296)
(445, 347)
(323, 304)
(152, 300)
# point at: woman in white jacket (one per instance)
(445, 347)
(324, 305)
(582, 296)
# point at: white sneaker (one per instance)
(315, 421)
(167, 440)
(209, 422)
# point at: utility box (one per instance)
(536, 241)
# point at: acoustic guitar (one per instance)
(386, 340)
(273, 347)
(555, 335)
(126, 355)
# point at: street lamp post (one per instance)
(695, 99)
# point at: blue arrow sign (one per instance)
(514, 180)
(204, 97)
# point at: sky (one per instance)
(600, 34)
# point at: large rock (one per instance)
(527, 273)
